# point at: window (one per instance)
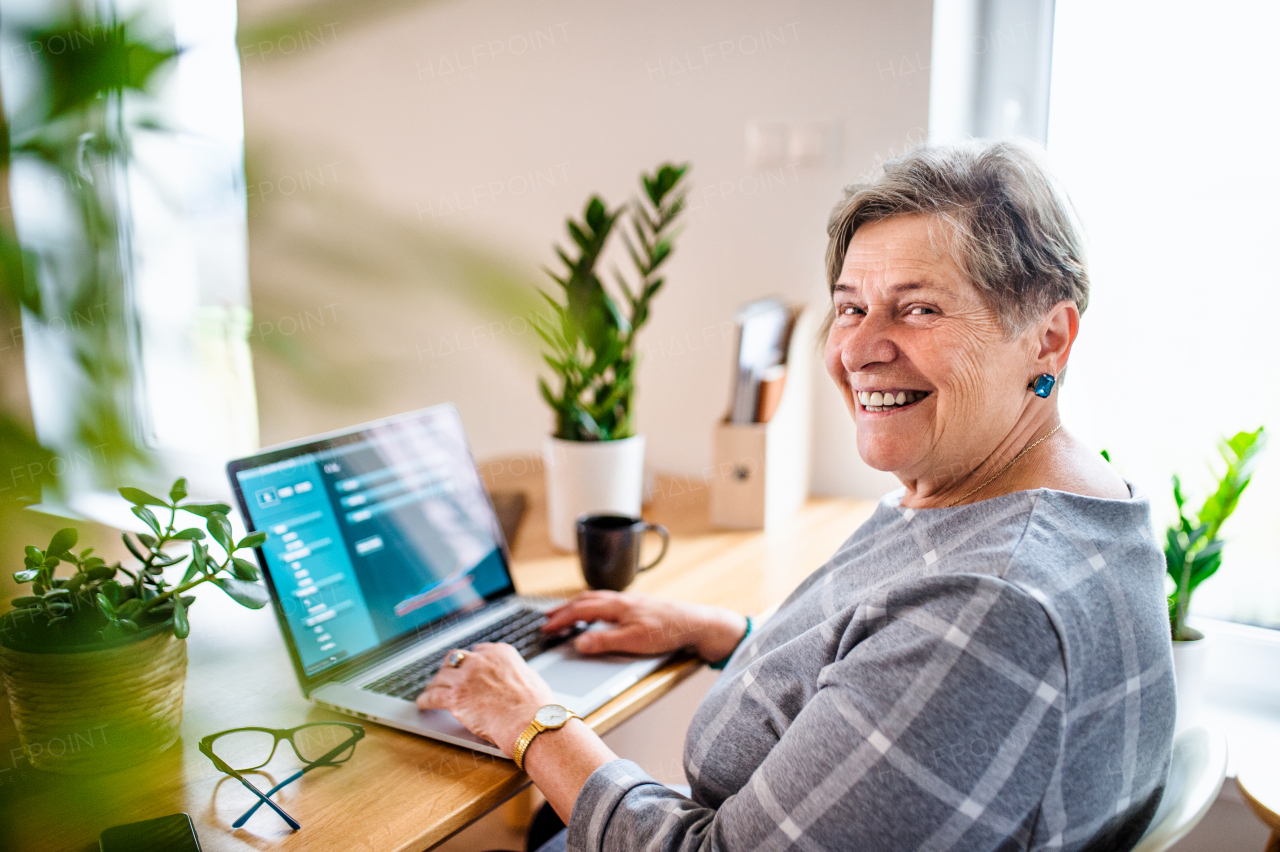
(131, 212)
(1162, 124)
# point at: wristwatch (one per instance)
(548, 718)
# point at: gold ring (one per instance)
(455, 658)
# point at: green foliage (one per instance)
(102, 59)
(104, 604)
(590, 335)
(1193, 550)
(81, 93)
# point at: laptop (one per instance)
(384, 553)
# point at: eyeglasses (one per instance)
(245, 749)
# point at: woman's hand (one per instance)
(645, 625)
(493, 692)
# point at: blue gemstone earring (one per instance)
(1043, 385)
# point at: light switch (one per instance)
(812, 144)
(807, 144)
(766, 144)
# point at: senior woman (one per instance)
(985, 663)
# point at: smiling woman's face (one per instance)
(932, 381)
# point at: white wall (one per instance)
(611, 89)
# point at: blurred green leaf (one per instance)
(101, 572)
(148, 518)
(113, 590)
(139, 553)
(164, 560)
(200, 556)
(246, 594)
(1193, 549)
(106, 59)
(181, 627)
(220, 529)
(19, 450)
(16, 270)
(192, 570)
(138, 497)
(204, 510)
(252, 540)
(63, 540)
(244, 569)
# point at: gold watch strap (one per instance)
(522, 742)
(526, 737)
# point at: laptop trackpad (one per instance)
(570, 674)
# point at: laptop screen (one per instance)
(374, 534)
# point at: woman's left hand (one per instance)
(493, 692)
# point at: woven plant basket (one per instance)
(97, 711)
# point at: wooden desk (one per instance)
(1259, 783)
(400, 791)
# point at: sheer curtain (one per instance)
(1163, 121)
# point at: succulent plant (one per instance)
(106, 604)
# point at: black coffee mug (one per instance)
(609, 549)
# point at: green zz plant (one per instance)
(592, 339)
(101, 604)
(1193, 550)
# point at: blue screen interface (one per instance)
(376, 537)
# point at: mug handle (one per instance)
(666, 541)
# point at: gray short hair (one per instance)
(1013, 230)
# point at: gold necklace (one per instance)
(1006, 467)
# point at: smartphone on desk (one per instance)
(173, 833)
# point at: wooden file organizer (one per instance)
(762, 469)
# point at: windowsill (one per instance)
(112, 510)
(101, 507)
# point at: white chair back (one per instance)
(1195, 776)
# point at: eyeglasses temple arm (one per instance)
(266, 799)
(326, 760)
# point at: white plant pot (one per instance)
(585, 477)
(1190, 669)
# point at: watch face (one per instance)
(553, 715)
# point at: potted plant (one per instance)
(594, 461)
(95, 660)
(1193, 552)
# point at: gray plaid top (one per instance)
(993, 676)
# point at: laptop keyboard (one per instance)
(521, 629)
